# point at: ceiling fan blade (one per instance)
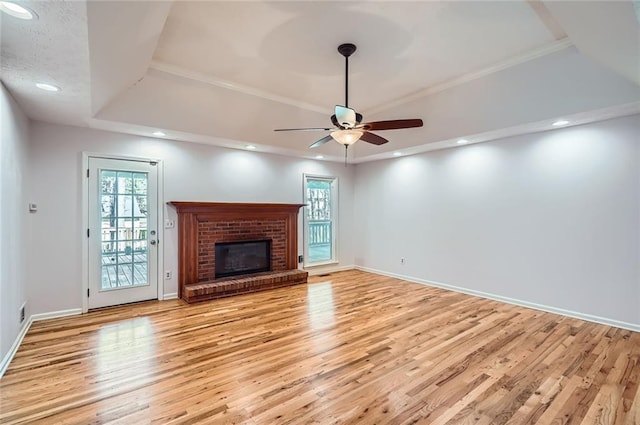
(373, 138)
(392, 124)
(304, 129)
(321, 142)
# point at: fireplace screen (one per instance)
(245, 257)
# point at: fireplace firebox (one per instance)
(242, 257)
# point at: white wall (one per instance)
(551, 218)
(14, 132)
(192, 172)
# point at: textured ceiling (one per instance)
(52, 49)
(228, 73)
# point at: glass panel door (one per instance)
(122, 232)
(320, 220)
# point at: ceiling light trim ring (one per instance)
(18, 11)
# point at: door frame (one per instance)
(85, 220)
(335, 225)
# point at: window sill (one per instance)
(324, 263)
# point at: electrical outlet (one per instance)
(169, 224)
(167, 274)
(402, 261)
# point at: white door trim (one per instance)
(85, 220)
(335, 221)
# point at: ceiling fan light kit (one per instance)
(346, 137)
(349, 122)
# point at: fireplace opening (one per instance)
(242, 257)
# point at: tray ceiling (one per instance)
(227, 73)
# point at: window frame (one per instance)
(333, 180)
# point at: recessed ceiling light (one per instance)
(560, 123)
(462, 142)
(159, 133)
(17, 11)
(47, 87)
(319, 157)
(397, 154)
(251, 147)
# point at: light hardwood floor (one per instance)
(350, 348)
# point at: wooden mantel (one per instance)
(192, 216)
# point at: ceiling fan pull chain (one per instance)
(346, 148)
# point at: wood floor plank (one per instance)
(349, 348)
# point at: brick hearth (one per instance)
(229, 286)
(202, 224)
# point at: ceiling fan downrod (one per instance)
(346, 50)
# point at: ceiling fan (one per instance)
(348, 123)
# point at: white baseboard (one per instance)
(315, 271)
(4, 364)
(170, 296)
(14, 347)
(56, 314)
(513, 301)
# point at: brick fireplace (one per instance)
(203, 224)
(211, 232)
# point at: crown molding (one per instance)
(547, 19)
(182, 136)
(576, 119)
(241, 88)
(553, 47)
(230, 85)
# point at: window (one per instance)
(320, 219)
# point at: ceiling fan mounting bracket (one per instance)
(347, 49)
